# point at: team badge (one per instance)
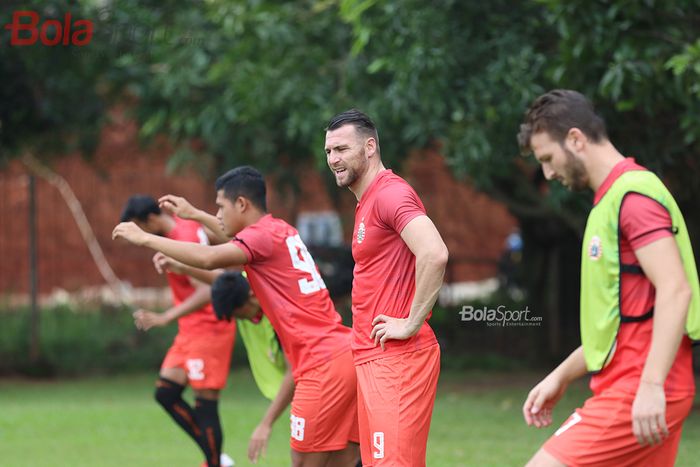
(361, 231)
(595, 249)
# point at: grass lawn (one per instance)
(113, 421)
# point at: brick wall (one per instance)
(473, 226)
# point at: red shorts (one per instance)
(205, 358)
(600, 434)
(395, 404)
(324, 408)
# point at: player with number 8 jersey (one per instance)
(292, 294)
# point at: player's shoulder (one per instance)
(270, 226)
(393, 181)
(393, 187)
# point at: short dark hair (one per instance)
(558, 111)
(228, 292)
(362, 123)
(139, 207)
(244, 181)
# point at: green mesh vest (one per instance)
(264, 355)
(601, 267)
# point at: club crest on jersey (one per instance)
(595, 249)
(361, 231)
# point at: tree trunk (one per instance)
(76, 209)
(34, 316)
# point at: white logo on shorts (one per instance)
(378, 441)
(297, 427)
(573, 420)
(195, 369)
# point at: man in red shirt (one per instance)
(201, 352)
(293, 296)
(400, 261)
(645, 389)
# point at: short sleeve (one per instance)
(643, 220)
(255, 243)
(202, 236)
(397, 205)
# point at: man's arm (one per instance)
(425, 242)
(163, 263)
(146, 320)
(261, 434)
(663, 266)
(538, 406)
(192, 254)
(183, 209)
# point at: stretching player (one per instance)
(201, 352)
(292, 294)
(231, 297)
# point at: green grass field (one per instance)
(113, 421)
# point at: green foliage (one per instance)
(255, 81)
(77, 342)
(50, 101)
(639, 62)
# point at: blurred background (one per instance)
(101, 99)
(162, 96)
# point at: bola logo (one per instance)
(361, 231)
(595, 249)
(50, 32)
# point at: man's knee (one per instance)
(168, 392)
(208, 394)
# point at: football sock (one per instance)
(207, 412)
(169, 395)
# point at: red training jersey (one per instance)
(385, 268)
(202, 321)
(642, 221)
(292, 294)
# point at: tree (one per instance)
(255, 82)
(49, 104)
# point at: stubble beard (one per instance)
(576, 176)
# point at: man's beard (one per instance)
(351, 175)
(576, 176)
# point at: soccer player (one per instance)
(292, 294)
(231, 297)
(400, 261)
(639, 290)
(200, 355)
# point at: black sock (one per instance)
(169, 395)
(207, 412)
